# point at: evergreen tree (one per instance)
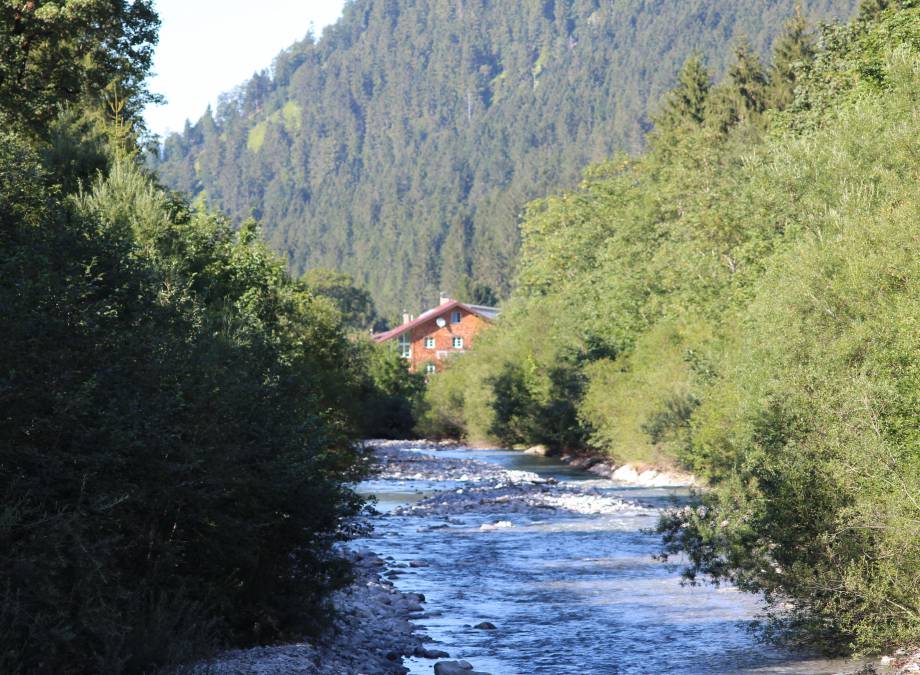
(871, 9)
(743, 95)
(686, 103)
(794, 50)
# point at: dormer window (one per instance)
(455, 316)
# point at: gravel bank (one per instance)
(372, 634)
(906, 661)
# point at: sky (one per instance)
(208, 47)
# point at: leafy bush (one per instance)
(812, 427)
(173, 455)
(391, 395)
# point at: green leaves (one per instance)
(66, 52)
(172, 403)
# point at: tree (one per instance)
(58, 53)
(794, 50)
(742, 96)
(476, 293)
(686, 103)
(871, 9)
(355, 304)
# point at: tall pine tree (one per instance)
(686, 103)
(794, 50)
(743, 96)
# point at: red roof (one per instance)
(487, 313)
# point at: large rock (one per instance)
(455, 668)
(602, 469)
(651, 477)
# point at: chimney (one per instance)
(444, 299)
(406, 317)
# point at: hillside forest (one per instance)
(401, 146)
(742, 300)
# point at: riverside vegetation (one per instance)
(176, 411)
(743, 300)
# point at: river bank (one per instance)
(640, 474)
(374, 631)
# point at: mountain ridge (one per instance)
(402, 146)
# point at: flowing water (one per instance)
(561, 562)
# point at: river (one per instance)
(562, 563)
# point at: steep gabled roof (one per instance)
(487, 313)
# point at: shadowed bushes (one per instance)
(175, 439)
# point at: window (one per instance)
(455, 317)
(429, 343)
(431, 368)
(458, 343)
(405, 347)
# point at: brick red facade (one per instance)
(426, 326)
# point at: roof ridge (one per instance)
(478, 310)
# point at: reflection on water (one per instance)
(568, 593)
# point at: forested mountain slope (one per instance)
(402, 145)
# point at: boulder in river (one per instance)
(455, 668)
(485, 625)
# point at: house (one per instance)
(436, 335)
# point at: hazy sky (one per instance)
(208, 47)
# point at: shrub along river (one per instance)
(561, 563)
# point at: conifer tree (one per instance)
(686, 103)
(794, 49)
(742, 97)
(869, 9)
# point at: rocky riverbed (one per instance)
(500, 562)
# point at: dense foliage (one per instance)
(402, 145)
(172, 464)
(59, 53)
(742, 300)
(177, 414)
